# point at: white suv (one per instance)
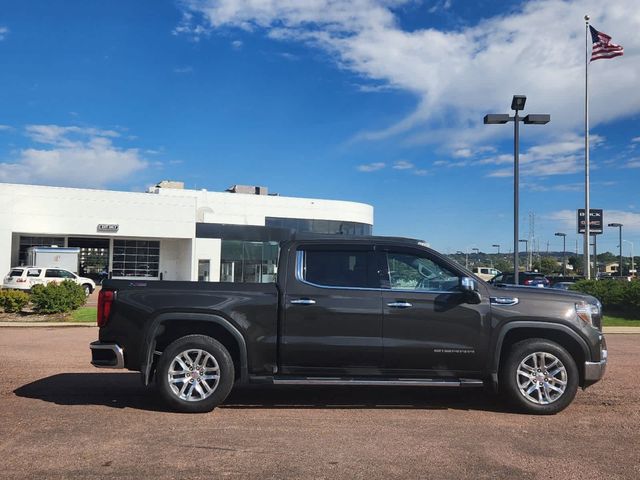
(24, 278)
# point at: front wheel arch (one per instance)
(560, 334)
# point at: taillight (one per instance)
(528, 282)
(105, 299)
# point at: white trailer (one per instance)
(61, 257)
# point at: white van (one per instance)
(486, 273)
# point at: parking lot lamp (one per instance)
(633, 262)
(619, 226)
(564, 251)
(496, 245)
(526, 250)
(477, 250)
(517, 105)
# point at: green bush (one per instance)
(615, 296)
(13, 301)
(57, 297)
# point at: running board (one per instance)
(391, 382)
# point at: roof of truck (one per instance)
(358, 238)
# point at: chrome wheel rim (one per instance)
(193, 375)
(541, 378)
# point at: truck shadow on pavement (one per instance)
(125, 390)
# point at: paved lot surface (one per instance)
(60, 418)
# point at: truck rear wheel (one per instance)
(539, 376)
(195, 374)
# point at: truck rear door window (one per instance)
(16, 272)
(336, 268)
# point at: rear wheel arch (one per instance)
(169, 327)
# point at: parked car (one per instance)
(352, 311)
(485, 273)
(24, 278)
(530, 279)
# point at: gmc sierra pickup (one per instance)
(353, 311)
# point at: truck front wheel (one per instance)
(539, 376)
(195, 374)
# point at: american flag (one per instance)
(602, 46)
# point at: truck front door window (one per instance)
(412, 272)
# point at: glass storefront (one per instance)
(248, 262)
(136, 258)
(320, 226)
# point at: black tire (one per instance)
(220, 391)
(87, 289)
(542, 400)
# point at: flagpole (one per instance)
(587, 217)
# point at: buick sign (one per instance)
(596, 221)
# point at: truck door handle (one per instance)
(399, 305)
(303, 301)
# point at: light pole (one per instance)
(633, 262)
(526, 246)
(466, 258)
(496, 245)
(564, 251)
(517, 104)
(619, 226)
(477, 250)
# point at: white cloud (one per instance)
(72, 156)
(420, 172)
(371, 167)
(403, 165)
(630, 220)
(183, 70)
(4, 31)
(633, 163)
(237, 44)
(564, 156)
(462, 153)
(635, 140)
(5, 127)
(460, 74)
(190, 29)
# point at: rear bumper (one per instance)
(106, 355)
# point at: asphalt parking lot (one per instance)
(61, 418)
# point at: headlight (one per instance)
(586, 311)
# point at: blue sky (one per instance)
(378, 101)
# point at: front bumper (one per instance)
(106, 355)
(594, 371)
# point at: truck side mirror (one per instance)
(470, 289)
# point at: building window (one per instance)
(320, 226)
(248, 262)
(136, 258)
(28, 241)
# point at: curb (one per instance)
(610, 330)
(606, 330)
(47, 324)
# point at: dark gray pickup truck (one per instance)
(353, 311)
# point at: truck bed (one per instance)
(143, 308)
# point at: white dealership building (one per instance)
(167, 233)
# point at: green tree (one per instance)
(503, 265)
(547, 265)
